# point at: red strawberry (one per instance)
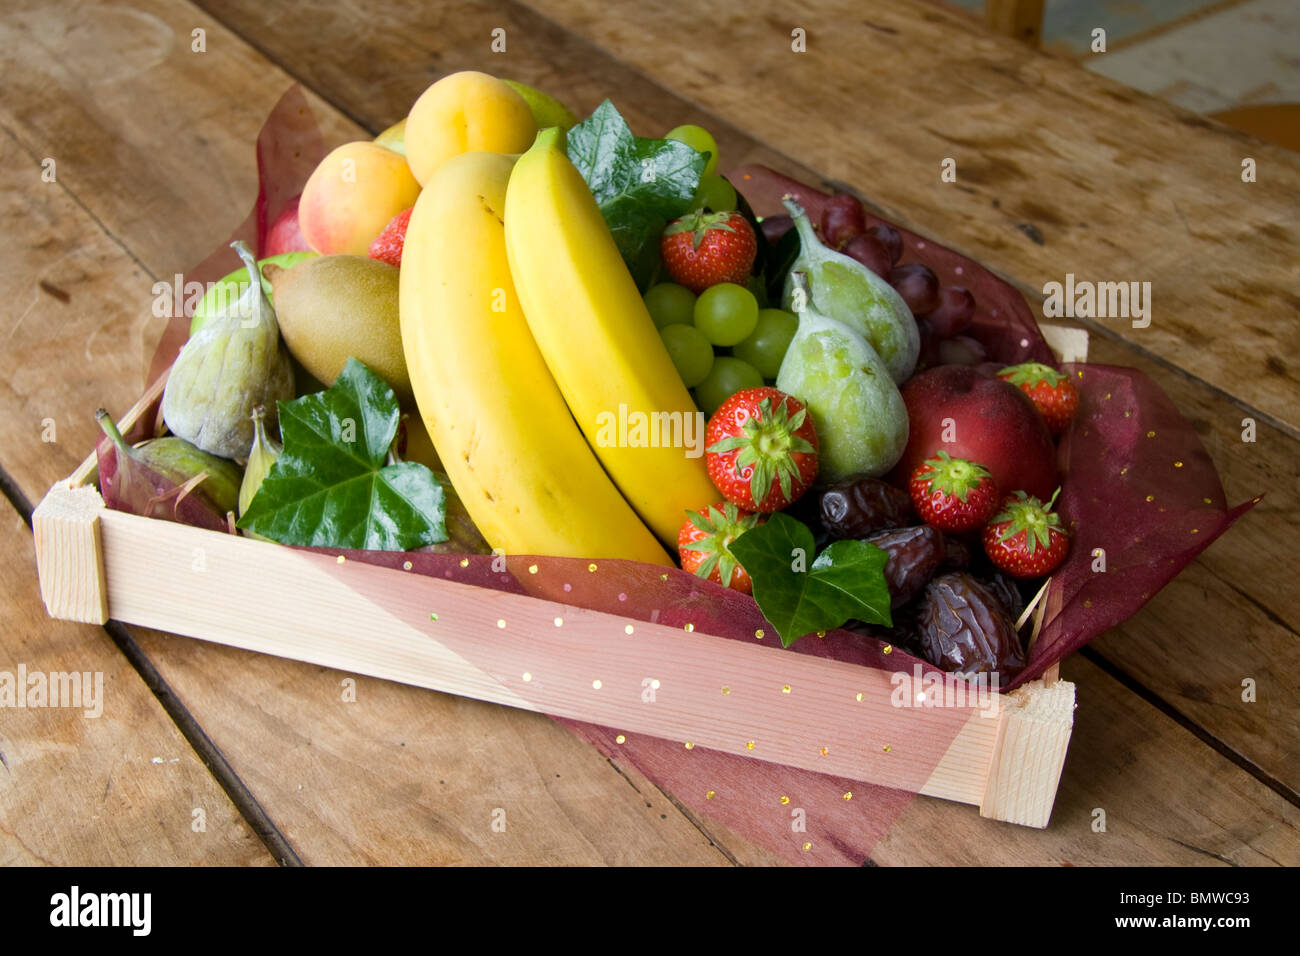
(953, 494)
(702, 249)
(761, 449)
(1026, 539)
(1052, 392)
(387, 246)
(703, 544)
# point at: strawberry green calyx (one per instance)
(1031, 373)
(719, 528)
(767, 446)
(1023, 512)
(955, 477)
(700, 224)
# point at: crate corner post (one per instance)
(1034, 726)
(66, 530)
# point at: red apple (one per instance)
(284, 234)
(983, 419)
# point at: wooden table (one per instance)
(1058, 171)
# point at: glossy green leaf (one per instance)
(330, 487)
(639, 184)
(798, 594)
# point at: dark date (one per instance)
(963, 627)
(859, 506)
(915, 554)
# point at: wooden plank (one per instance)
(1248, 570)
(81, 291)
(1167, 800)
(120, 788)
(1019, 19)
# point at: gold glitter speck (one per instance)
(1151, 434)
(848, 795)
(1196, 531)
(807, 847)
(690, 626)
(596, 685)
(620, 739)
(825, 751)
(888, 748)
(749, 745)
(1128, 413)
(785, 801)
(559, 622)
(433, 616)
(406, 565)
(710, 795)
(1178, 464)
(592, 567)
(785, 689)
(663, 577)
(760, 634)
(1151, 497)
(1207, 501)
(501, 622)
(340, 559)
(690, 745)
(726, 691)
(860, 696)
(527, 677)
(821, 633)
(628, 629)
(464, 562)
(887, 649)
(532, 569)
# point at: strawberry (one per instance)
(703, 543)
(953, 494)
(702, 249)
(761, 449)
(1026, 539)
(1052, 392)
(387, 246)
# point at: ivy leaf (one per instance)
(639, 184)
(330, 487)
(797, 595)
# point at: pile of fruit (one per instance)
(496, 328)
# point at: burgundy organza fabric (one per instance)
(1137, 484)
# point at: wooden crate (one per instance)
(95, 564)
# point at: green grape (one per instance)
(690, 352)
(727, 377)
(670, 304)
(699, 139)
(726, 313)
(716, 193)
(765, 348)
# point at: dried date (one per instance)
(859, 506)
(914, 555)
(964, 627)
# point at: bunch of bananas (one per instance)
(522, 328)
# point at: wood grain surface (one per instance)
(1115, 185)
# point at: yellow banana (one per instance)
(599, 341)
(499, 423)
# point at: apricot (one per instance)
(352, 195)
(464, 112)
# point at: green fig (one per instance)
(843, 289)
(261, 457)
(858, 412)
(231, 365)
(166, 478)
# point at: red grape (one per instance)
(842, 219)
(774, 227)
(918, 286)
(954, 313)
(891, 239)
(962, 350)
(869, 252)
